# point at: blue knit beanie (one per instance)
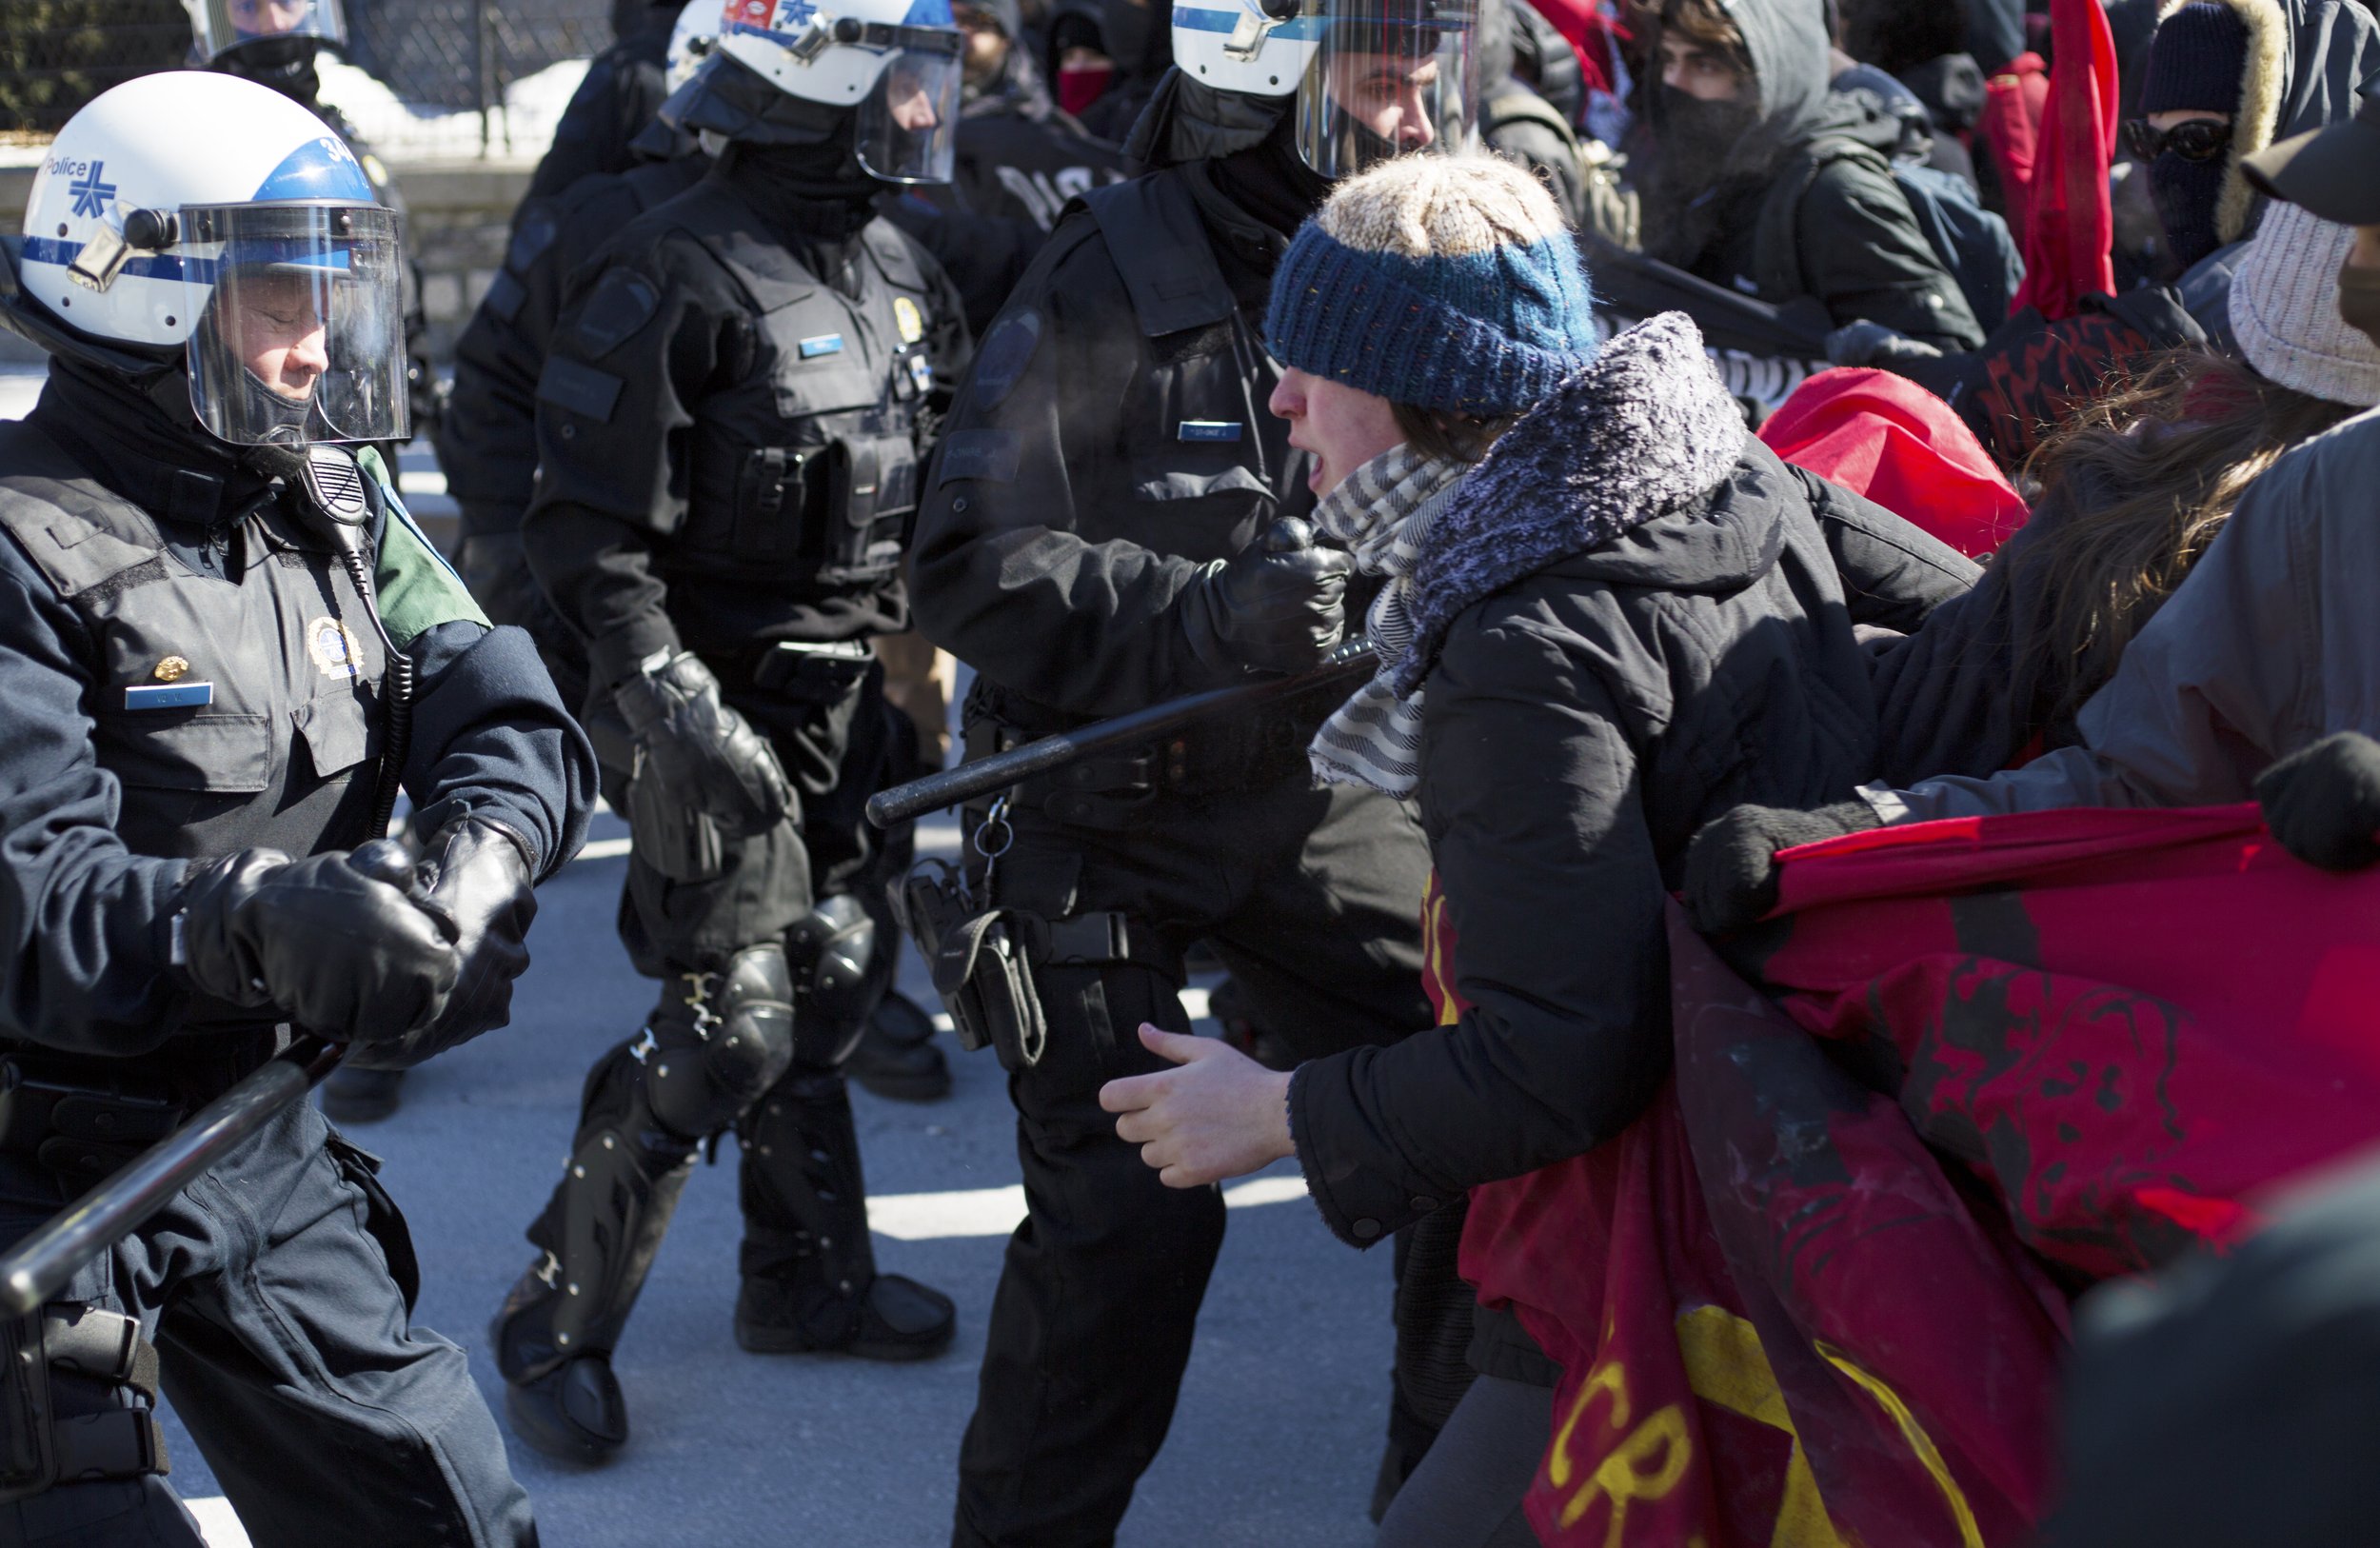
(1444, 281)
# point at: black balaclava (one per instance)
(284, 63)
(1272, 182)
(2197, 62)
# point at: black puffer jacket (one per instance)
(1640, 618)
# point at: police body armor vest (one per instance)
(284, 748)
(804, 474)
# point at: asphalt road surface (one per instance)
(1281, 1414)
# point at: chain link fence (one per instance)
(432, 57)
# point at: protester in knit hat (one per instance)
(2285, 311)
(2216, 72)
(1609, 612)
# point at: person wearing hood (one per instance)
(2258, 678)
(735, 401)
(1102, 531)
(616, 99)
(1516, 120)
(227, 651)
(1607, 613)
(1019, 160)
(1767, 182)
(2222, 80)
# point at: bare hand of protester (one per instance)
(1220, 1115)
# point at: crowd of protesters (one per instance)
(1835, 936)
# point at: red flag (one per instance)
(1780, 1317)
(2070, 234)
(1891, 440)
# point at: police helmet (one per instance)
(891, 66)
(205, 216)
(1372, 78)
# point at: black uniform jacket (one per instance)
(1112, 438)
(1579, 723)
(93, 845)
(707, 367)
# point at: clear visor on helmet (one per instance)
(908, 127)
(224, 25)
(1390, 77)
(301, 323)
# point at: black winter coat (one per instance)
(1641, 617)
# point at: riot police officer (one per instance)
(275, 43)
(616, 99)
(224, 648)
(1019, 161)
(729, 426)
(1094, 539)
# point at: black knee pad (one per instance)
(841, 965)
(717, 1040)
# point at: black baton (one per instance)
(1356, 658)
(37, 1268)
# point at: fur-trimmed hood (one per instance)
(2305, 60)
(1643, 432)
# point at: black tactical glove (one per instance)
(2323, 801)
(1278, 606)
(705, 753)
(475, 877)
(323, 939)
(1731, 866)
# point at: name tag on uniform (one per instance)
(825, 344)
(1208, 429)
(169, 696)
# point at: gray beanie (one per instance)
(2285, 309)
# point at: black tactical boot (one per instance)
(353, 1096)
(897, 1058)
(809, 1271)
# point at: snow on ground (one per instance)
(397, 131)
(519, 129)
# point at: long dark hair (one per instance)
(1462, 438)
(2150, 474)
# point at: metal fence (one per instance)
(433, 55)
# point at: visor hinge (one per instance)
(822, 34)
(104, 256)
(1247, 38)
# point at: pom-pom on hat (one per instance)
(1445, 282)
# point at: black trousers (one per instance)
(277, 1291)
(1312, 899)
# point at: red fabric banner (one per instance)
(1888, 438)
(2070, 230)
(1791, 1305)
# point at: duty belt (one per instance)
(1109, 793)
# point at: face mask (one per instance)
(1695, 136)
(2359, 300)
(2186, 193)
(1079, 86)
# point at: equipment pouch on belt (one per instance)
(981, 965)
(822, 674)
(63, 1414)
(874, 490)
(80, 1122)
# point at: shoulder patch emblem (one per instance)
(334, 648)
(1007, 350)
(623, 301)
(910, 321)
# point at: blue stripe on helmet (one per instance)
(1200, 19)
(320, 168)
(147, 265)
(929, 14)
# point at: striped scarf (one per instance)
(1382, 512)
